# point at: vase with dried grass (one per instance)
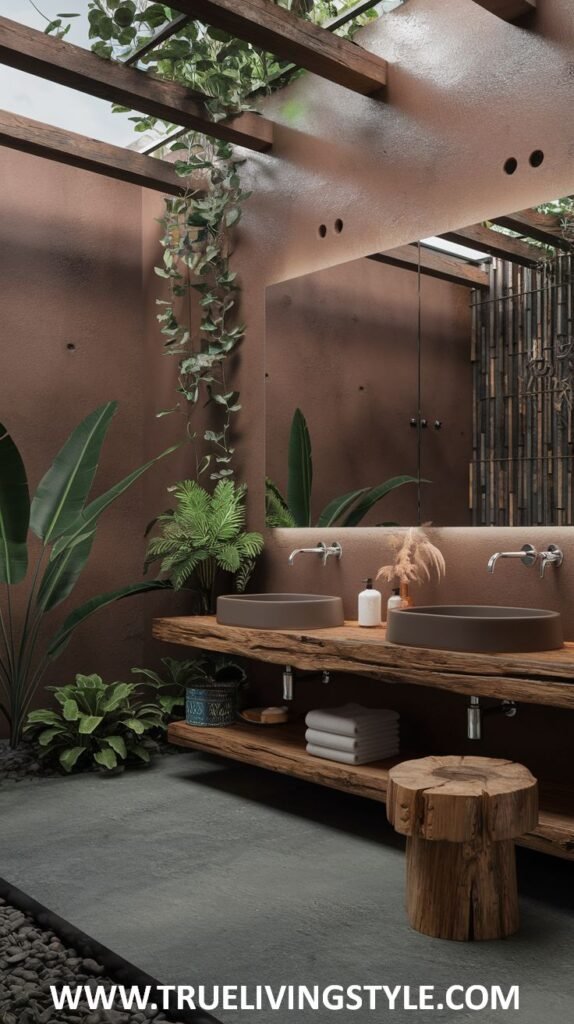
(416, 560)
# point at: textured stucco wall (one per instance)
(70, 275)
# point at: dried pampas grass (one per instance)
(416, 561)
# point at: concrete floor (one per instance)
(206, 871)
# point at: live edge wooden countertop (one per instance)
(545, 677)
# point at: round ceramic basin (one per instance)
(280, 611)
(476, 628)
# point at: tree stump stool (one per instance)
(461, 816)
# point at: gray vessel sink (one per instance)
(476, 628)
(280, 611)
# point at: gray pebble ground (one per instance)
(31, 960)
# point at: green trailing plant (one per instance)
(203, 537)
(96, 724)
(295, 510)
(197, 228)
(64, 521)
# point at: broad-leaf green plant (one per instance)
(204, 536)
(97, 724)
(65, 520)
(296, 509)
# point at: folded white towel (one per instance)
(349, 720)
(346, 757)
(352, 744)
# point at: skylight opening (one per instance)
(454, 249)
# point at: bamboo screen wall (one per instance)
(523, 380)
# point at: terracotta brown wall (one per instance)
(342, 345)
(72, 338)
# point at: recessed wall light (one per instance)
(511, 165)
(339, 225)
(536, 158)
(322, 230)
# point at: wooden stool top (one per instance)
(459, 799)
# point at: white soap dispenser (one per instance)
(369, 606)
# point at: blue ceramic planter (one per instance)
(213, 705)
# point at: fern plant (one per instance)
(203, 537)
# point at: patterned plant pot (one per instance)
(213, 705)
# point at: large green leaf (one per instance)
(88, 517)
(88, 723)
(82, 613)
(374, 495)
(63, 491)
(339, 506)
(69, 757)
(63, 572)
(14, 511)
(300, 470)
(106, 758)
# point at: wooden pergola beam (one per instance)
(301, 42)
(435, 264)
(544, 227)
(509, 10)
(58, 61)
(79, 151)
(505, 247)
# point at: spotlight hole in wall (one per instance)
(339, 225)
(536, 158)
(322, 230)
(511, 165)
(71, 347)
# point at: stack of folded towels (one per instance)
(352, 734)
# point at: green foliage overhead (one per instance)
(65, 521)
(97, 724)
(198, 229)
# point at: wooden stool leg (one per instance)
(462, 890)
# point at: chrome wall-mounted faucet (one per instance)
(552, 556)
(528, 555)
(322, 549)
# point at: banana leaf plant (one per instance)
(65, 522)
(295, 509)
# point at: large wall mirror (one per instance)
(431, 383)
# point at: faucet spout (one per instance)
(322, 549)
(527, 556)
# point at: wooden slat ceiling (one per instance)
(544, 227)
(78, 151)
(435, 264)
(280, 32)
(58, 61)
(495, 243)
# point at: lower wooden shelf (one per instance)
(282, 749)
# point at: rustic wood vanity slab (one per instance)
(542, 678)
(545, 677)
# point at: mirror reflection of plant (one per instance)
(295, 510)
(97, 723)
(204, 536)
(65, 522)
